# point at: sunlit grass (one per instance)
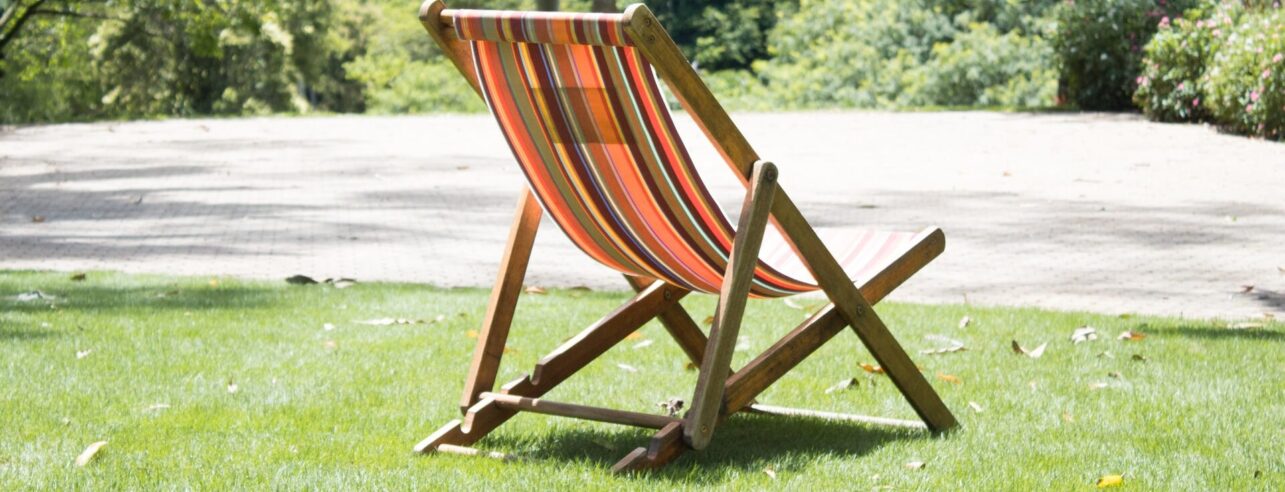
(341, 408)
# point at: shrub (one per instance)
(850, 53)
(1171, 87)
(1099, 47)
(1246, 79)
(984, 67)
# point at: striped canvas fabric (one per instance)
(583, 113)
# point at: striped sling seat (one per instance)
(583, 113)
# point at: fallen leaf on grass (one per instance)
(770, 472)
(341, 283)
(709, 320)
(300, 280)
(1115, 374)
(871, 369)
(89, 453)
(672, 406)
(471, 333)
(1066, 416)
(965, 321)
(643, 344)
(843, 385)
(78, 277)
(391, 321)
(214, 282)
(915, 465)
(1110, 481)
(691, 366)
(627, 367)
(1084, 334)
(944, 350)
(1034, 353)
(81, 354)
(1131, 336)
(976, 408)
(949, 378)
(32, 296)
(331, 344)
(1140, 358)
(1097, 386)
(634, 336)
(535, 290)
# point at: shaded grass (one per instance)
(340, 408)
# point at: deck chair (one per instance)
(577, 98)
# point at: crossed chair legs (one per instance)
(719, 392)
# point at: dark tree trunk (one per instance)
(549, 5)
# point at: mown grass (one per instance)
(341, 408)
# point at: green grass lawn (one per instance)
(147, 363)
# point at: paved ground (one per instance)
(1096, 212)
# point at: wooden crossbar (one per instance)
(720, 391)
(537, 405)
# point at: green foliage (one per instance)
(1246, 79)
(984, 67)
(1099, 47)
(1170, 87)
(1223, 63)
(144, 58)
(885, 54)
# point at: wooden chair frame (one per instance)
(719, 392)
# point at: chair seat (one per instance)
(861, 252)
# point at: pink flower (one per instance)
(1142, 80)
(1267, 73)
(1278, 58)
(1253, 96)
(1195, 103)
(1218, 33)
(1249, 108)
(1182, 86)
(1164, 22)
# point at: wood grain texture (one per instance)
(504, 300)
(707, 402)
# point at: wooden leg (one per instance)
(504, 299)
(810, 335)
(678, 323)
(664, 447)
(707, 403)
(487, 414)
(856, 310)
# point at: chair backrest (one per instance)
(581, 108)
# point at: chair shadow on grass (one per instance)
(22, 331)
(745, 442)
(1216, 333)
(97, 298)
